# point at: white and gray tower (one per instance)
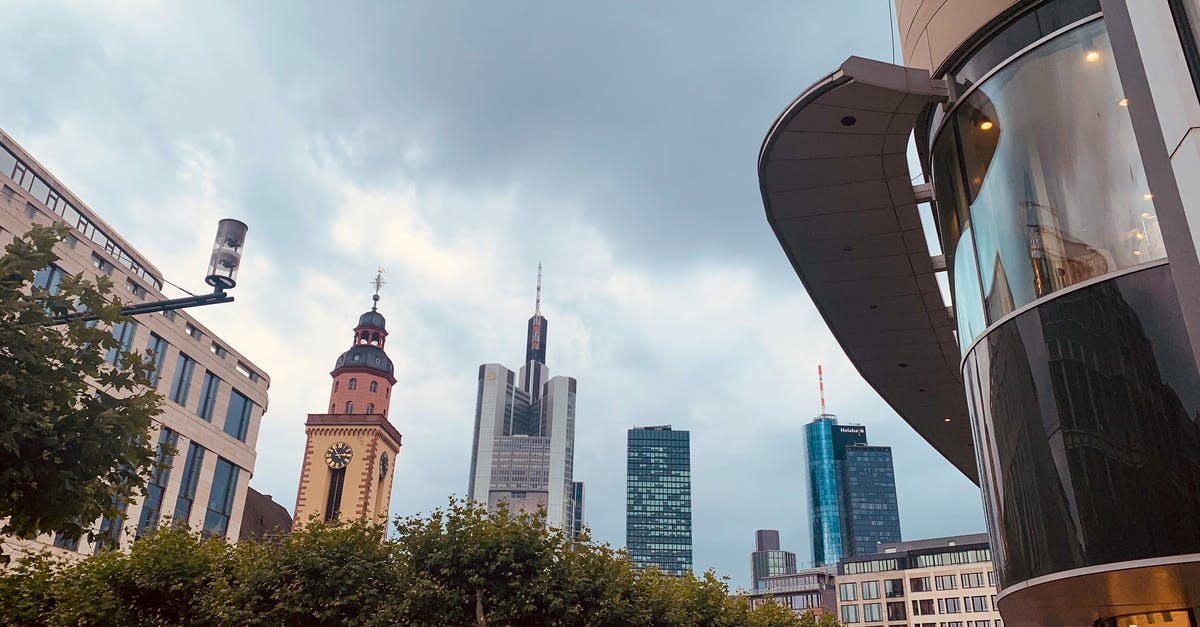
(524, 445)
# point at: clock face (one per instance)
(383, 466)
(338, 455)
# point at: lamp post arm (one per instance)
(154, 307)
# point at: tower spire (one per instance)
(379, 283)
(821, 387)
(537, 305)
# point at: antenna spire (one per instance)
(821, 386)
(537, 306)
(378, 283)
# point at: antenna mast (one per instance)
(821, 386)
(537, 307)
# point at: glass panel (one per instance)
(1087, 431)
(1057, 189)
(955, 226)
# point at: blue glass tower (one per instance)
(826, 441)
(658, 499)
(852, 491)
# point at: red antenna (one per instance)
(821, 385)
(537, 306)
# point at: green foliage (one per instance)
(67, 453)
(460, 565)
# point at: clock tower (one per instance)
(350, 454)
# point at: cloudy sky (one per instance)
(458, 144)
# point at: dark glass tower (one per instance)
(852, 499)
(768, 560)
(658, 500)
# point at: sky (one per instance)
(458, 144)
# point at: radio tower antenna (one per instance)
(537, 306)
(821, 387)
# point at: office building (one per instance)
(851, 490)
(803, 592)
(768, 560)
(350, 451)
(1058, 367)
(214, 395)
(524, 446)
(577, 503)
(658, 499)
(940, 581)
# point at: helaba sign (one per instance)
(844, 430)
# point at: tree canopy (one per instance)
(459, 565)
(75, 409)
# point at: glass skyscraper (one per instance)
(658, 500)
(852, 497)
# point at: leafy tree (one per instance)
(460, 565)
(72, 426)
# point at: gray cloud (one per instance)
(459, 144)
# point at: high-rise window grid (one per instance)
(658, 524)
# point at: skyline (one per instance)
(655, 281)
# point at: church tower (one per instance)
(350, 455)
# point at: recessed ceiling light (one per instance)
(1092, 56)
(902, 365)
(849, 120)
(1146, 215)
(986, 125)
(1137, 253)
(1124, 102)
(946, 419)
(1148, 196)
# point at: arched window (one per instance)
(370, 408)
(375, 338)
(349, 407)
(335, 385)
(353, 384)
(374, 386)
(387, 392)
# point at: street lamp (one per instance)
(223, 267)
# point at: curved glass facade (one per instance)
(1086, 415)
(1040, 170)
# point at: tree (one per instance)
(73, 424)
(460, 565)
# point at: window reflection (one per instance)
(1055, 183)
(1087, 412)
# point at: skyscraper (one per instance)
(524, 445)
(577, 503)
(658, 500)
(852, 500)
(768, 560)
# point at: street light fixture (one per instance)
(223, 267)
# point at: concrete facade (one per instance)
(30, 194)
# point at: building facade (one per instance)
(577, 503)
(350, 452)
(924, 583)
(1058, 370)
(768, 560)
(523, 452)
(851, 491)
(215, 396)
(803, 592)
(658, 499)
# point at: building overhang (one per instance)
(833, 172)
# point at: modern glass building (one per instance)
(851, 491)
(768, 560)
(658, 499)
(870, 514)
(1057, 203)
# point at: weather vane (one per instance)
(378, 283)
